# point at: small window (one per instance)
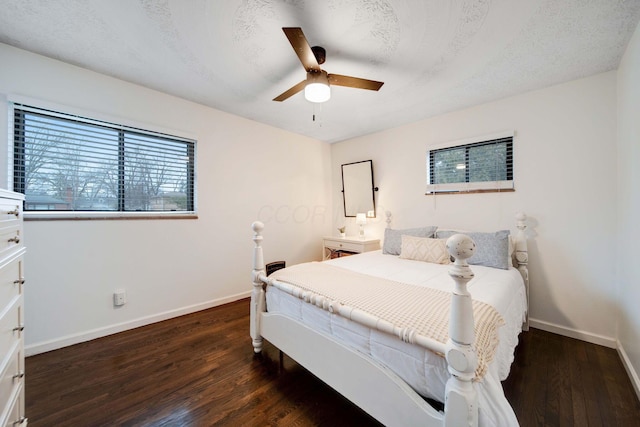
(479, 166)
(65, 163)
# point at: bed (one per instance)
(337, 319)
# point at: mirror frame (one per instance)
(346, 191)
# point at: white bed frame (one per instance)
(367, 383)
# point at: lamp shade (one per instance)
(361, 218)
(317, 88)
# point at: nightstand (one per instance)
(333, 247)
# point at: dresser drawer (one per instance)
(14, 415)
(12, 373)
(343, 246)
(10, 212)
(10, 239)
(355, 245)
(11, 324)
(10, 281)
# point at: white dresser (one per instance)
(11, 311)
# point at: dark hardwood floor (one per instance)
(559, 381)
(200, 370)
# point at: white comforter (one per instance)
(423, 370)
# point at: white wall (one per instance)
(173, 266)
(245, 171)
(629, 206)
(565, 180)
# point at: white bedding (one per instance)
(423, 370)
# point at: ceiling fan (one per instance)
(316, 85)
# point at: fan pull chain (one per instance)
(313, 116)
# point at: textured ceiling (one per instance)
(433, 55)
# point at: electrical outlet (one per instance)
(119, 297)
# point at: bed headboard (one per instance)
(521, 257)
(519, 254)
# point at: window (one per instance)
(478, 166)
(68, 163)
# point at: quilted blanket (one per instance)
(414, 308)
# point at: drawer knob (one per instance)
(19, 375)
(19, 282)
(15, 239)
(15, 212)
(18, 328)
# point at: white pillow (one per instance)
(424, 249)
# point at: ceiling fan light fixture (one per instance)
(317, 92)
(317, 88)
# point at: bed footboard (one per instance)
(461, 399)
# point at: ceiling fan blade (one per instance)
(356, 82)
(301, 47)
(291, 91)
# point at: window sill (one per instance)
(498, 190)
(101, 216)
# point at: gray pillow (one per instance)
(492, 249)
(393, 238)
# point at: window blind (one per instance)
(69, 163)
(479, 166)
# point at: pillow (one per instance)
(424, 249)
(393, 238)
(492, 249)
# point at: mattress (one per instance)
(424, 371)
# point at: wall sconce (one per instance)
(361, 220)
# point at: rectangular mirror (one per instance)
(358, 190)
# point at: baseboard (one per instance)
(574, 333)
(633, 375)
(42, 347)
